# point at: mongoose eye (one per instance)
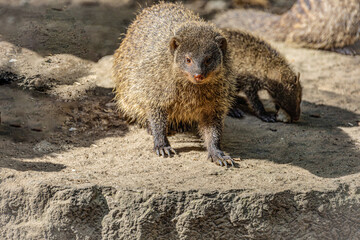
(188, 60)
(207, 61)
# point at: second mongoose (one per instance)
(174, 67)
(258, 66)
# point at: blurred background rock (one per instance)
(90, 29)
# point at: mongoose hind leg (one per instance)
(258, 107)
(158, 125)
(211, 129)
(236, 112)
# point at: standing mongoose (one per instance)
(258, 66)
(321, 24)
(173, 67)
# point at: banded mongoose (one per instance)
(258, 66)
(173, 67)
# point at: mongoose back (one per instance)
(173, 67)
(257, 66)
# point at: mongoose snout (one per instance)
(198, 77)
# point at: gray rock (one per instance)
(95, 212)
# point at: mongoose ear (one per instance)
(174, 44)
(222, 43)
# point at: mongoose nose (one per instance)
(198, 77)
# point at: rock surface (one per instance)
(92, 212)
(72, 168)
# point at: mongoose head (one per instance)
(288, 96)
(198, 52)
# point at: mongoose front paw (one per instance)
(268, 117)
(164, 151)
(220, 157)
(236, 113)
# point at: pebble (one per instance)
(72, 129)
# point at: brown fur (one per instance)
(153, 88)
(257, 66)
(320, 24)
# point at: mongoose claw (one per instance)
(168, 152)
(221, 158)
(162, 152)
(221, 164)
(236, 113)
(268, 117)
(165, 151)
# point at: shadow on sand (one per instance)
(34, 124)
(316, 143)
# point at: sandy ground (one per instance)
(60, 127)
(84, 141)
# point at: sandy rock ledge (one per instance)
(97, 212)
